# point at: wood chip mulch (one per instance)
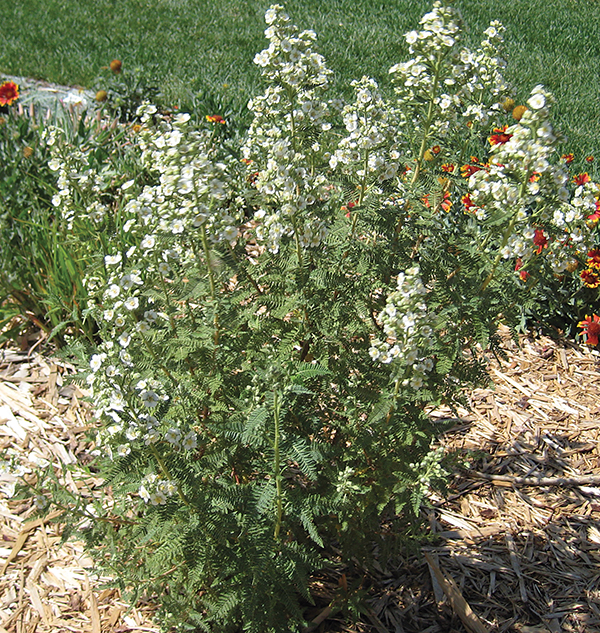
(515, 542)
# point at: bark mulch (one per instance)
(515, 542)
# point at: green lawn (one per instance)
(192, 45)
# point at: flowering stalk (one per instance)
(498, 258)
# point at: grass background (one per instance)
(195, 46)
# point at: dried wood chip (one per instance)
(459, 604)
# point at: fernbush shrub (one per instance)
(285, 310)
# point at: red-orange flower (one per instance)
(589, 159)
(468, 170)
(447, 202)
(448, 167)
(590, 278)
(540, 240)
(9, 93)
(348, 208)
(596, 215)
(215, 118)
(523, 274)
(499, 137)
(590, 329)
(568, 158)
(593, 258)
(466, 200)
(581, 179)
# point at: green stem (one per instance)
(206, 248)
(211, 281)
(166, 293)
(277, 466)
(167, 474)
(428, 121)
(298, 248)
(240, 267)
(157, 360)
(394, 399)
(363, 184)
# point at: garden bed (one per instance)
(516, 537)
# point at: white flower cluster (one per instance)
(430, 468)
(280, 157)
(369, 152)
(195, 186)
(522, 180)
(455, 79)
(407, 325)
(194, 197)
(80, 186)
(155, 490)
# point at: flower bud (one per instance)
(518, 112)
(508, 104)
(572, 266)
(101, 96)
(115, 66)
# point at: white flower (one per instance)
(148, 242)
(125, 357)
(158, 498)
(177, 227)
(113, 259)
(117, 401)
(128, 281)
(190, 441)
(173, 435)
(40, 502)
(124, 339)
(411, 37)
(151, 316)
(113, 291)
(150, 399)
(144, 494)
(127, 185)
(536, 101)
(96, 361)
(132, 303)
(229, 233)
(123, 450)
(143, 327)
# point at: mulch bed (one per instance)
(515, 541)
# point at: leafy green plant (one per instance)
(277, 317)
(44, 254)
(123, 90)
